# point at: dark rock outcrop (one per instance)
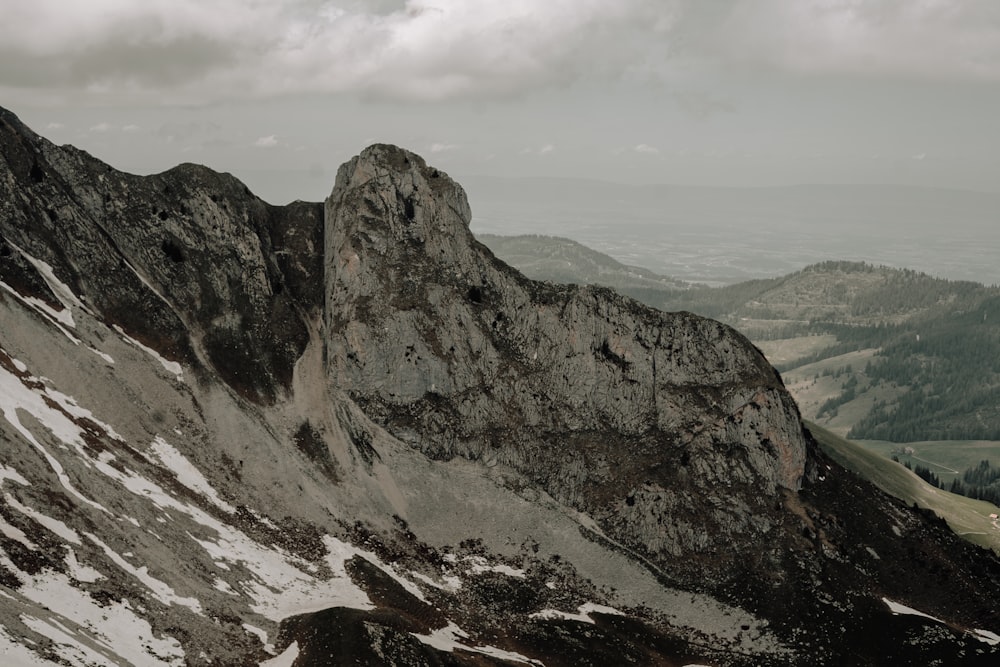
(187, 261)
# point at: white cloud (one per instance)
(546, 149)
(443, 148)
(270, 141)
(131, 127)
(100, 127)
(646, 148)
(55, 126)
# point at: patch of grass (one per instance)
(942, 457)
(786, 351)
(814, 384)
(969, 518)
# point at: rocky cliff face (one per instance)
(606, 404)
(346, 433)
(188, 261)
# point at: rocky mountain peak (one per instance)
(603, 402)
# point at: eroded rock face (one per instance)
(188, 261)
(604, 402)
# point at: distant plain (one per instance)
(722, 236)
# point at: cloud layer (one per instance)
(420, 49)
(190, 50)
(937, 39)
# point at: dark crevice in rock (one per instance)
(172, 251)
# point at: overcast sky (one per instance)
(730, 92)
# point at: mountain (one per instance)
(877, 352)
(562, 260)
(346, 433)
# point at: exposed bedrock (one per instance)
(645, 419)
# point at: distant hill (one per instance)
(869, 351)
(562, 260)
(727, 235)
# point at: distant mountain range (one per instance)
(725, 235)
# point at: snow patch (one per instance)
(69, 404)
(186, 473)
(898, 608)
(987, 637)
(453, 637)
(984, 636)
(286, 659)
(14, 396)
(450, 583)
(107, 357)
(481, 565)
(263, 519)
(288, 590)
(106, 635)
(11, 474)
(68, 647)
(223, 586)
(582, 614)
(261, 634)
(60, 289)
(16, 534)
(16, 654)
(78, 572)
(61, 319)
(163, 592)
(171, 366)
(54, 526)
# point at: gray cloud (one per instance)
(420, 49)
(192, 51)
(930, 39)
(701, 104)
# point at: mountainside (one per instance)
(882, 353)
(562, 260)
(917, 355)
(345, 433)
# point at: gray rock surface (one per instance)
(607, 404)
(187, 261)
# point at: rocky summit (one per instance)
(345, 433)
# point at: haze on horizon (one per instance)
(684, 92)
